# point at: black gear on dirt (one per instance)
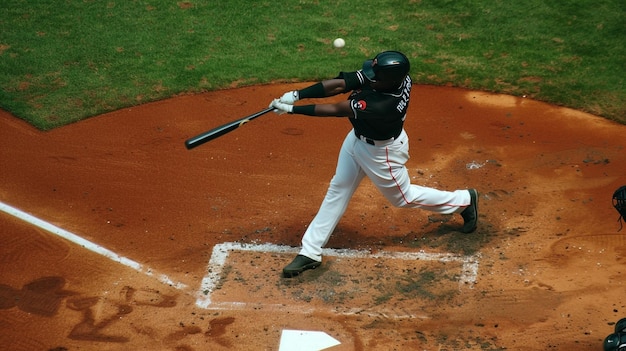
(388, 65)
(619, 202)
(620, 326)
(617, 340)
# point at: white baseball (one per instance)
(339, 43)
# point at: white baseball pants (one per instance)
(384, 164)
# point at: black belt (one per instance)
(375, 141)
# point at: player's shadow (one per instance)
(42, 296)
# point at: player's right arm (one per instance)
(340, 109)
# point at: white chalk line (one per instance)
(221, 252)
(89, 245)
(297, 309)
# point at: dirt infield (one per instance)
(201, 235)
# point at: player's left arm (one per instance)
(343, 83)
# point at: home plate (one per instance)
(301, 340)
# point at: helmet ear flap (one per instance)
(368, 70)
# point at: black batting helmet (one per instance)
(388, 66)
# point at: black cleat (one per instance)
(470, 214)
(299, 264)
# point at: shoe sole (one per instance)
(295, 272)
(474, 199)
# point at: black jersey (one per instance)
(377, 115)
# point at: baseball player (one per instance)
(376, 147)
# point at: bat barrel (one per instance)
(221, 130)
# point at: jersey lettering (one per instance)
(404, 99)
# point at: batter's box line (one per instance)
(219, 256)
(88, 245)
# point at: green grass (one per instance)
(62, 61)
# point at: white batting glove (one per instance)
(290, 97)
(281, 107)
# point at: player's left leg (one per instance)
(385, 166)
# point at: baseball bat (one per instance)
(223, 129)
